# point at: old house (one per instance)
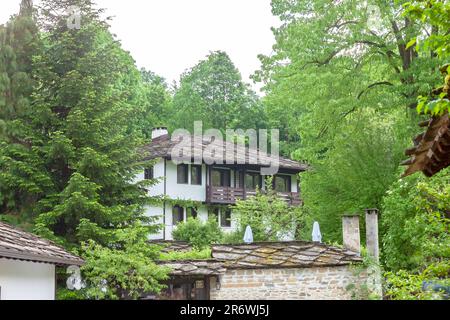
(28, 265)
(210, 188)
(294, 270)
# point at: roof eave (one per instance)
(41, 259)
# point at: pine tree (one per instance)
(85, 110)
(69, 144)
(22, 175)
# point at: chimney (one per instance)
(350, 232)
(372, 233)
(159, 132)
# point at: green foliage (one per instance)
(156, 108)
(131, 272)
(195, 254)
(213, 92)
(235, 237)
(357, 171)
(414, 222)
(404, 285)
(342, 85)
(434, 16)
(22, 173)
(70, 140)
(270, 217)
(66, 294)
(416, 242)
(199, 234)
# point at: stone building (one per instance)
(293, 270)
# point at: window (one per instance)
(221, 178)
(196, 175)
(183, 174)
(177, 215)
(252, 181)
(282, 183)
(191, 213)
(149, 174)
(225, 218)
(239, 179)
(214, 214)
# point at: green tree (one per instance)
(22, 174)
(342, 85)
(416, 221)
(84, 139)
(434, 40)
(156, 109)
(213, 92)
(416, 241)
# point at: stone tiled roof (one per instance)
(282, 255)
(195, 267)
(169, 246)
(264, 255)
(162, 148)
(20, 245)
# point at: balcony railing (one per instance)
(228, 195)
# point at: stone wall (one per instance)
(320, 283)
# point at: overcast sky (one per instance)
(169, 36)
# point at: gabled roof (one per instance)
(264, 255)
(162, 147)
(20, 245)
(273, 255)
(431, 151)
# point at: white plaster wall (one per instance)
(158, 213)
(184, 191)
(21, 280)
(158, 171)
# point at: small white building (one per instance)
(28, 265)
(209, 187)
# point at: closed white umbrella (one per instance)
(316, 235)
(248, 237)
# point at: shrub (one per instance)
(199, 234)
(416, 241)
(189, 255)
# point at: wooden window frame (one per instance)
(222, 171)
(194, 178)
(253, 175)
(186, 166)
(181, 210)
(223, 213)
(285, 177)
(149, 173)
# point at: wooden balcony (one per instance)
(227, 195)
